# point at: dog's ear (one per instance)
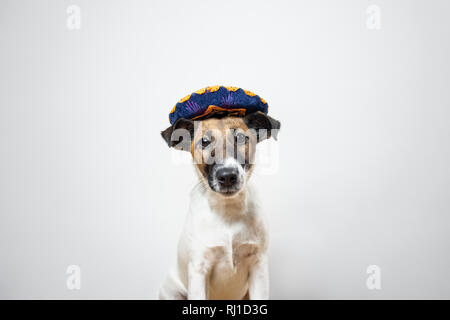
(179, 135)
(264, 125)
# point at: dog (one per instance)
(222, 251)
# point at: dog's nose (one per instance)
(227, 177)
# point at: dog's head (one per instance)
(223, 149)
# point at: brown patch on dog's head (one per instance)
(220, 139)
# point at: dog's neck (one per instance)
(229, 207)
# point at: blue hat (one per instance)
(217, 100)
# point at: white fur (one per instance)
(222, 251)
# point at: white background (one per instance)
(363, 175)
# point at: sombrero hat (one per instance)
(217, 101)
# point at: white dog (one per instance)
(222, 252)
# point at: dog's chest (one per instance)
(233, 247)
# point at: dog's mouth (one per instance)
(228, 192)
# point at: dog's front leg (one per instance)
(197, 281)
(259, 279)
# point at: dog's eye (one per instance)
(240, 138)
(205, 142)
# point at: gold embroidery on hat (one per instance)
(185, 98)
(249, 93)
(213, 88)
(200, 91)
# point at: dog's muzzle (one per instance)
(226, 179)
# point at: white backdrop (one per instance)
(363, 176)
